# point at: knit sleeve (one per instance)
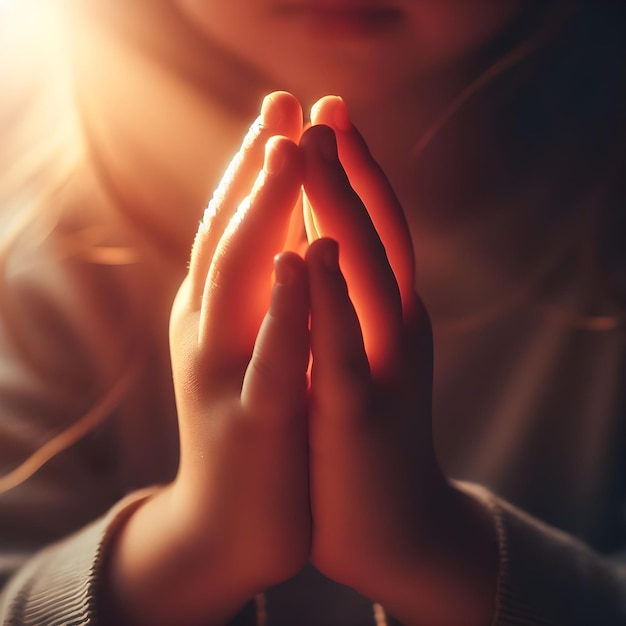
(60, 584)
(547, 577)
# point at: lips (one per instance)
(342, 18)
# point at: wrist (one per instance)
(452, 576)
(161, 570)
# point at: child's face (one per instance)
(357, 47)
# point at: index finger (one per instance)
(281, 114)
(236, 291)
(341, 215)
(373, 187)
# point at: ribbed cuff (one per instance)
(58, 586)
(549, 578)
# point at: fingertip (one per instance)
(289, 268)
(277, 102)
(275, 382)
(320, 141)
(332, 111)
(323, 253)
(281, 112)
(327, 283)
(320, 109)
(290, 291)
(339, 356)
(280, 153)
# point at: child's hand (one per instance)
(236, 519)
(241, 391)
(385, 520)
(372, 461)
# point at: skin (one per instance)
(395, 83)
(281, 465)
(276, 469)
(382, 509)
(358, 62)
(201, 546)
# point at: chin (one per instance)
(357, 85)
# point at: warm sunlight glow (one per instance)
(40, 92)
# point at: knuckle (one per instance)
(347, 395)
(264, 369)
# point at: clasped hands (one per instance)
(305, 406)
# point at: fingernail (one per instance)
(270, 114)
(274, 156)
(330, 254)
(283, 271)
(327, 145)
(341, 117)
